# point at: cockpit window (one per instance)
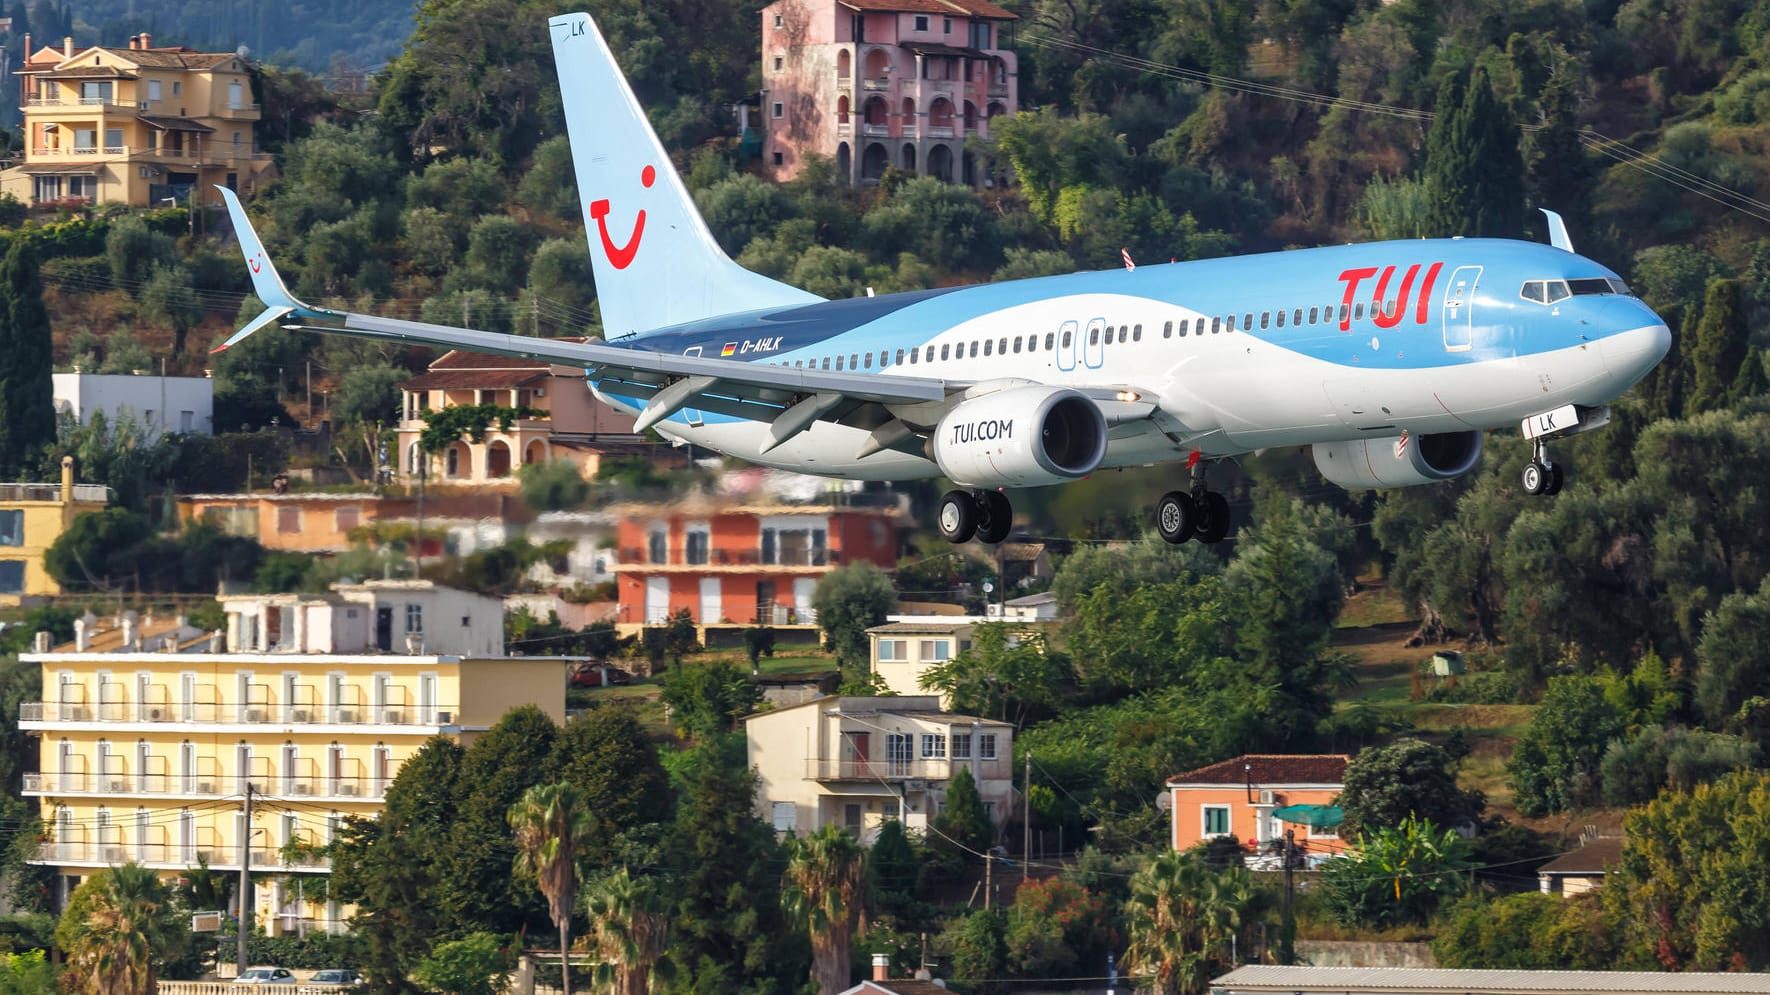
(1557, 290)
(1533, 291)
(1596, 285)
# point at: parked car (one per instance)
(593, 676)
(265, 976)
(335, 977)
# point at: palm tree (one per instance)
(826, 886)
(1181, 915)
(553, 825)
(119, 927)
(630, 931)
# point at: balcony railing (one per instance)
(998, 89)
(876, 130)
(52, 492)
(879, 85)
(233, 713)
(940, 131)
(201, 785)
(112, 101)
(899, 770)
(216, 152)
(170, 854)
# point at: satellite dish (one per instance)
(988, 587)
(242, 51)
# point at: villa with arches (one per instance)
(873, 84)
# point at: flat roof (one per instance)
(1377, 980)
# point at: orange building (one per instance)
(321, 521)
(1236, 798)
(740, 564)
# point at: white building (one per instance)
(185, 405)
(388, 616)
(856, 761)
(904, 650)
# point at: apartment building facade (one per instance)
(152, 733)
(565, 420)
(854, 762)
(878, 83)
(140, 125)
(903, 651)
(185, 405)
(32, 517)
(1236, 798)
(742, 564)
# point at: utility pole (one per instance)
(245, 884)
(1026, 821)
(989, 865)
(1287, 928)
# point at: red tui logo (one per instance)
(621, 256)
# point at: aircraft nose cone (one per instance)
(1631, 355)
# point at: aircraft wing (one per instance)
(895, 409)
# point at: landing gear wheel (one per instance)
(1555, 479)
(1213, 519)
(995, 516)
(957, 519)
(1175, 517)
(1535, 478)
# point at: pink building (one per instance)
(876, 83)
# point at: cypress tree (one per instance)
(1474, 171)
(1719, 349)
(1561, 174)
(1446, 179)
(27, 405)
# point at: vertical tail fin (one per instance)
(656, 263)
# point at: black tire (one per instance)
(1556, 479)
(995, 517)
(957, 518)
(1534, 478)
(1213, 522)
(1175, 517)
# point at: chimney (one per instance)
(134, 42)
(41, 642)
(82, 635)
(147, 41)
(67, 47)
(881, 967)
(67, 480)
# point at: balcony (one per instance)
(84, 102)
(940, 131)
(238, 111)
(879, 85)
(234, 713)
(95, 493)
(998, 89)
(173, 855)
(69, 783)
(844, 128)
(876, 130)
(900, 770)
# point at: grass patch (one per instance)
(1374, 604)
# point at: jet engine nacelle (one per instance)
(1020, 437)
(1398, 461)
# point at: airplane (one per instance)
(1390, 360)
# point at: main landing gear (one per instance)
(1541, 475)
(984, 514)
(1202, 514)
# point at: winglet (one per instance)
(1557, 230)
(278, 302)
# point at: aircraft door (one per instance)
(1067, 347)
(693, 414)
(1093, 345)
(1459, 309)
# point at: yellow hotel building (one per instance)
(136, 125)
(32, 517)
(152, 732)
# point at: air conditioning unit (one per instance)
(346, 715)
(156, 715)
(299, 715)
(205, 788)
(1265, 797)
(118, 784)
(445, 718)
(915, 784)
(393, 717)
(254, 715)
(301, 789)
(113, 855)
(347, 789)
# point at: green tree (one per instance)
(709, 699)
(479, 891)
(1180, 917)
(1635, 770)
(369, 394)
(1006, 674)
(475, 964)
(28, 973)
(1678, 895)
(826, 890)
(133, 251)
(553, 825)
(1474, 170)
(611, 758)
(962, 829)
(1386, 784)
(93, 551)
(629, 926)
(562, 283)
(892, 867)
(170, 298)
(1528, 932)
(977, 943)
(1722, 336)
(1057, 928)
(1555, 764)
(27, 409)
(1733, 658)
(120, 928)
(1396, 874)
(497, 255)
(554, 485)
(849, 600)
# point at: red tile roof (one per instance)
(1270, 768)
(1596, 857)
(971, 8)
(460, 359)
(481, 379)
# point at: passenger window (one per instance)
(1016, 343)
(869, 361)
(913, 356)
(986, 344)
(826, 362)
(1050, 339)
(1066, 340)
(943, 351)
(928, 357)
(1265, 319)
(900, 357)
(1247, 322)
(1094, 336)
(1358, 311)
(1168, 330)
(1002, 348)
(1216, 325)
(1183, 323)
(1136, 333)
(1297, 317)
(854, 361)
(1557, 291)
(838, 364)
(1313, 314)
(1345, 312)
(1280, 319)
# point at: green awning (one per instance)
(1319, 816)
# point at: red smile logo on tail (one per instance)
(622, 255)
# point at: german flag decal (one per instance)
(730, 348)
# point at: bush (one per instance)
(1396, 875)
(315, 951)
(1487, 687)
(1529, 932)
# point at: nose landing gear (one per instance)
(988, 515)
(1541, 475)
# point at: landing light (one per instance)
(1128, 395)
